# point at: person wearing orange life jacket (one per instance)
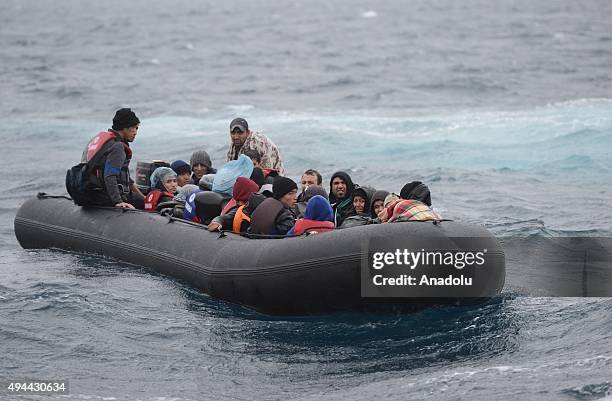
(233, 215)
(108, 156)
(164, 185)
(318, 217)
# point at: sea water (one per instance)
(504, 109)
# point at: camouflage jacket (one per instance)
(270, 156)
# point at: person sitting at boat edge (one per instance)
(108, 157)
(318, 217)
(243, 189)
(163, 188)
(274, 216)
(341, 196)
(243, 139)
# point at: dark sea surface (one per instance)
(503, 108)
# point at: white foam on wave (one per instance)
(240, 107)
(369, 14)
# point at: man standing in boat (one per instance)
(107, 157)
(243, 140)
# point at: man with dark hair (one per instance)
(254, 156)
(108, 156)
(309, 178)
(200, 166)
(274, 216)
(243, 140)
(341, 196)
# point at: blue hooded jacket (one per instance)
(319, 209)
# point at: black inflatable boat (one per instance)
(315, 273)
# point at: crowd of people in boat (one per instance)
(248, 194)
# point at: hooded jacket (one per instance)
(378, 195)
(343, 207)
(416, 190)
(242, 191)
(318, 214)
(360, 219)
(159, 193)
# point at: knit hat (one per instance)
(243, 188)
(180, 167)
(124, 118)
(282, 186)
(200, 157)
(160, 175)
(416, 190)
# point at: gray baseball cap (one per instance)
(239, 123)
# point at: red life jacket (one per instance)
(98, 142)
(152, 199)
(95, 151)
(268, 171)
(231, 204)
(312, 226)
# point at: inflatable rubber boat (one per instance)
(309, 274)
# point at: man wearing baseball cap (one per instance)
(243, 140)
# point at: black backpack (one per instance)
(77, 180)
(80, 179)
